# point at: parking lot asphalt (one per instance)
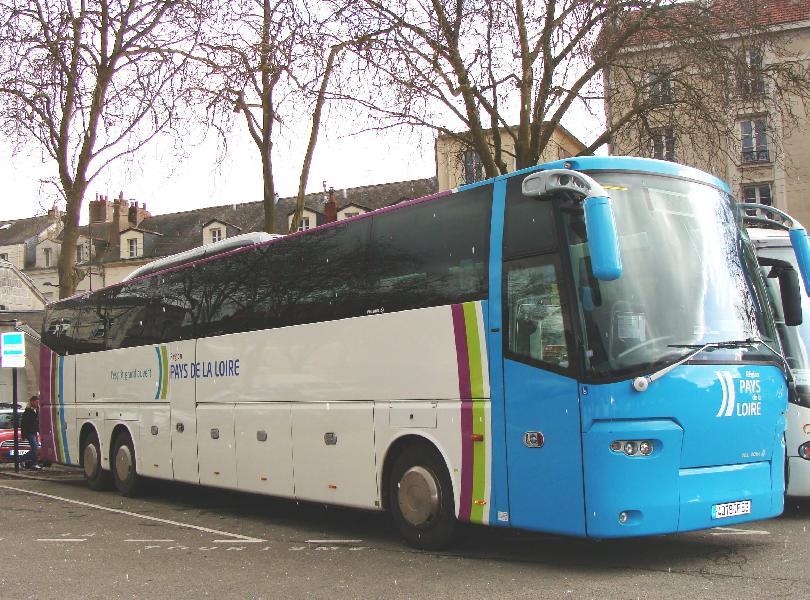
(58, 539)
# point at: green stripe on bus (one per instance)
(164, 384)
(478, 509)
(473, 350)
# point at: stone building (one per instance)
(764, 149)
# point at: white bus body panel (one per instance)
(307, 411)
(216, 445)
(264, 456)
(333, 448)
(408, 355)
(182, 399)
(155, 443)
(798, 468)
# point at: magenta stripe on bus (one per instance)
(463, 360)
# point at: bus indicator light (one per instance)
(634, 447)
(623, 517)
(804, 451)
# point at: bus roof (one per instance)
(622, 163)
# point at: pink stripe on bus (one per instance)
(463, 360)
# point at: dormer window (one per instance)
(133, 247)
(4, 257)
(79, 253)
(216, 234)
(48, 256)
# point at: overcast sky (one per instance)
(168, 184)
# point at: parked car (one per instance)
(7, 434)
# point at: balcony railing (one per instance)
(755, 156)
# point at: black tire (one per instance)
(90, 459)
(123, 466)
(420, 496)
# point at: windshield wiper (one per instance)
(730, 344)
(642, 382)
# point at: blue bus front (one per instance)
(587, 452)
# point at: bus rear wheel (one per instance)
(127, 481)
(421, 498)
(97, 478)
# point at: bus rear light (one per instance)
(633, 447)
(804, 451)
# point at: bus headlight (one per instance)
(804, 451)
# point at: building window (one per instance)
(4, 256)
(48, 255)
(349, 215)
(660, 86)
(473, 167)
(759, 193)
(754, 140)
(216, 234)
(750, 78)
(304, 224)
(663, 144)
(133, 247)
(79, 253)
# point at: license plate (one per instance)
(731, 509)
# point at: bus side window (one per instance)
(537, 328)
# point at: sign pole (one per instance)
(12, 356)
(15, 420)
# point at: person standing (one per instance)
(29, 426)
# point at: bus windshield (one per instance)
(690, 278)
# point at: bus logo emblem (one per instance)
(729, 395)
(750, 387)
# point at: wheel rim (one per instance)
(90, 459)
(123, 463)
(419, 497)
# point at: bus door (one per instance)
(541, 401)
(183, 402)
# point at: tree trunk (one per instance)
(269, 198)
(68, 275)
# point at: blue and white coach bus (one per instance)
(584, 347)
(769, 230)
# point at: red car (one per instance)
(7, 436)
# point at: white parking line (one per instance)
(61, 539)
(154, 541)
(738, 531)
(235, 536)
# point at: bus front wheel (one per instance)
(126, 479)
(421, 498)
(96, 477)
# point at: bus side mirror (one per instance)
(600, 223)
(790, 291)
(603, 238)
(801, 247)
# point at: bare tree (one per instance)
(499, 75)
(272, 62)
(90, 81)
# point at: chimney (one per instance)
(120, 220)
(100, 210)
(330, 208)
